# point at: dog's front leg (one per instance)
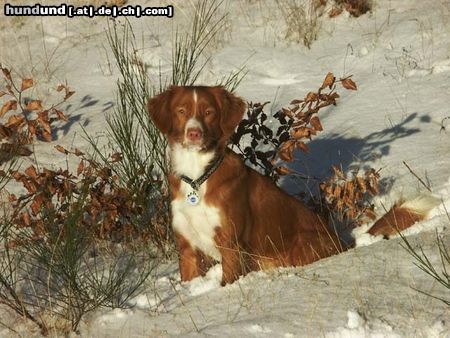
(232, 257)
(189, 264)
(232, 264)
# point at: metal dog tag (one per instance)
(193, 198)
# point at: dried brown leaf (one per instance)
(25, 218)
(311, 97)
(9, 89)
(10, 105)
(349, 84)
(282, 170)
(328, 82)
(34, 105)
(15, 120)
(5, 132)
(68, 94)
(29, 185)
(44, 123)
(36, 204)
(47, 136)
(61, 115)
(17, 175)
(302, 132)
(315, 122)
(287, 112)
(286, 151)
(116, 157)
(7, 74)
(295, 102)
(302, 146)
(31, 171)
(80, 168)
(61, 149)
(26, 83)
(32, 127)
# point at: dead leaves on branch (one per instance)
(26, 121)
(303, 114)
(108, 208)
(67, 91)
(298, 123)
(348, 197)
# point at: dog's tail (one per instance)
(403, 215)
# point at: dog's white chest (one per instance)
(196, 223)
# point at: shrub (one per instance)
(301, 19)
(348, 197)
(110, 211)
(31, 120)
(298, 123)
(439, 272)
(54, 266)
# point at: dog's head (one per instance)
(197, 117)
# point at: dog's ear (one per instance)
(159, 109)
(232, 110)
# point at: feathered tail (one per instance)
(403, 215)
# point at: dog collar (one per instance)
(192, 197)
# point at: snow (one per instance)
(400, 59)
(364, 292)
(202, 285)
(358, 327)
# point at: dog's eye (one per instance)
(208, 112)
(181, 111)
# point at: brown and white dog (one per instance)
(233, 214)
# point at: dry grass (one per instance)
(301, 19)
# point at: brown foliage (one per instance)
(303, 114)
(348, 198)
(298, 124)
(22, 122)
(108, 208)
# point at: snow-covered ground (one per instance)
(367, 291)
(399, 56)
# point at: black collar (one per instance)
(195, 184)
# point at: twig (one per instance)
(416, 176)
(443, 127)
